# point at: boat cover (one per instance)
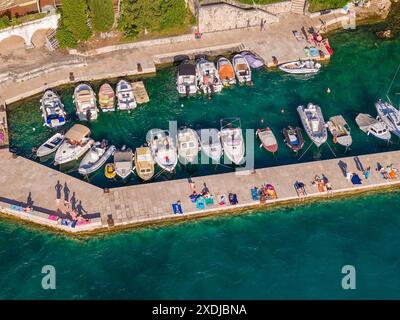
(226, 72)
(77, 132)
(187, 69)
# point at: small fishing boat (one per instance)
(313, 123)
(50, 146)
(293, 138)
(123, 162)
(125, 96)
(226, 71)
(300, 67)
(340, 131)
(268, 140)
(210, 143)
(232, 140)
(109, 171)
(75, 145)
(208, 79)
(162, 148)
(327, 46)
(52, 109)
(253, 60)
(95, 158)
(188, 145)
(186, 81)
(144, 163)
(389, 115)
(242, 69)
(376, 127)
(106, 98)
(85, 102)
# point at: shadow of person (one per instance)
(73, 201)
(358, 164)
(29, 200)
(343, 167)
(67, 192)
(79, 208)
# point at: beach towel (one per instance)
(209, 201)
(82, 222)
(355, 179)
(200, 203)
(254, 194)
(233, 198)
(52, 217)
(177, 208)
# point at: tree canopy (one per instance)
(101, 14)
(74, 18)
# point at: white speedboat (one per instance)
(106, 97)
(210, 144)
(207, 76)
(162, 148)
(186, 82)
(313, 123)
(232, 140)
(95, 158)
(389, 115)
(52, 110)
(300, 67)
(268, 140)
(50, 146)
(123, 162)
(75, 145)
(125, 96)
(188, 145)
(85, 102)
(242, 68)
(226, 71)
(340, 131)
(376, 127)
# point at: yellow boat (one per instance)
(144, 163)
(109, 171)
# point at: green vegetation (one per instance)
(74, 19)
(5, 22)
(101, 14)
(318, 5)
(259, 1)
(151, 16)
(65, 37)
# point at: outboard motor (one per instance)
(88, 115)
(187, 90)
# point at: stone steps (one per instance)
(298, 6)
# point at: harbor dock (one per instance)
(151, 203)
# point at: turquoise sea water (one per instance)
(359, 73)
(291, 252)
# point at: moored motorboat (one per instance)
(226, 71)
(210, 143)
(389, 115)
(293, 138)
(50, 146)
(253, 60)
(232, 140)
(162, 148)
(85, 102)
(340, 131)
(300, 67)
(95, 158)
(242, 68)
(75, 145)
(106, 98)
(376, 127)
(125, 96)
(52, 108)
(188, 145)
(144, 163)
(186, 81)
(313, 123)
(123, 162)
(208, 79)
(268, 140)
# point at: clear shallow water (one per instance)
(295, 252)
(359, 73)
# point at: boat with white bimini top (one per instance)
(186, 80)
(97, 156)
(162, 148)
(242, 69)
(340, 131)
(85, 102)
(300, 67)
(389, 115)
(210, 143)
(52, 109)
(313, 123)
(123, 162)
(50, 146)
(232, 139)
(144, 163)
(226, 71)
(125, 96)
(373, 126)
(188, 145)
(75, 145)
(208, 79)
